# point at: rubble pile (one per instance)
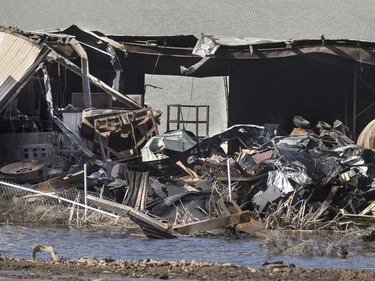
(308, 180)
(300, 181)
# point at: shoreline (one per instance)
(105, 269)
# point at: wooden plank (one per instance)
(133, 212)
(368, 209)
(252, 227)
(137, 189)
(325, 205)
(76, 177)
(211, 224)
(230, 208)
(362, 220)
(192, 173)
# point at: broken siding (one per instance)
(18, 56)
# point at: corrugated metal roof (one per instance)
(17, 56)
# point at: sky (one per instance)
(275, 19)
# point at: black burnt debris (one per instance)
(306, 181)
(67, 126)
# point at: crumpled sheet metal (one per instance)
(301, 163)
(278, 186)
(262, 198)
(251, 136)
(318, 165)
(278, 179)
(293, 170)
(176, 141)
(205, 47)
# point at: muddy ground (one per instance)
(108, 269)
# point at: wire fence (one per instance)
(24, 204)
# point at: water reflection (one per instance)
(17, 241)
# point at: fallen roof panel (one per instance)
(19, 56)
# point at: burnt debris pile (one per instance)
(307, 180)
(315, 178)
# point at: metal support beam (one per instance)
(85, 72)
(355, 102)
(100, 84)
(86, 84)
(346, 91)
(72, 137)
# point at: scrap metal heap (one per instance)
(308, 180)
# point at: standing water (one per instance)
(17, 241)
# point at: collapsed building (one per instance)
(71, 96)
(50, 81)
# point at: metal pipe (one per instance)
(168, 116)
(207, 120)
(226, 91)
(85, 71)
(197, 118)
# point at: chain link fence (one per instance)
(23, 204)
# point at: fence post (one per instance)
(85, 186)
(229, 181)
